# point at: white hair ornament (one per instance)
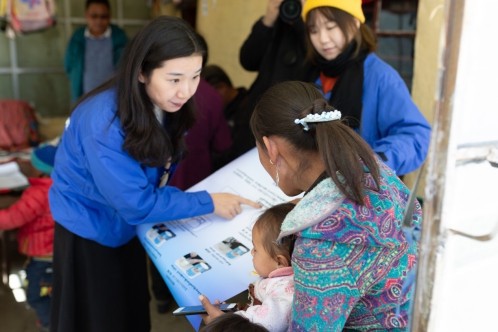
(323, 117)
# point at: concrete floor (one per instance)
(17, 317)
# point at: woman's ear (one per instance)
(271, 147)
(141, 78)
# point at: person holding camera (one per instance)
(276, 49)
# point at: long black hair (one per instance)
(146, 140)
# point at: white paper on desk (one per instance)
(222, 266)
(11, 177)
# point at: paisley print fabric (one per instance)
(351, 265)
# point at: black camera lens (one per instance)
(290, 10)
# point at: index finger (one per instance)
(246, 201)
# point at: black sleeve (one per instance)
(255, 46)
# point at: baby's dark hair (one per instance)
(232, 323)
(269, 224)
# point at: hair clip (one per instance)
(323, 117)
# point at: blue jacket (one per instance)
(74, 60)
(391, 123)
(100, 192)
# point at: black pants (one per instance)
(98, 288)
(159, 288)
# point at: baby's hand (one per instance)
(212, 310)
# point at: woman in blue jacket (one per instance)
(369, 93)
(111, 169)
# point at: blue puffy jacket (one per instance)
(391, 123)
(100, 192)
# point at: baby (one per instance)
(271, 296)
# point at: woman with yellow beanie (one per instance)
(368, 91)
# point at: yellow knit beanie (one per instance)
(352, 7)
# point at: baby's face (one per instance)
(263, 263)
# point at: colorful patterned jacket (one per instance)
(351, 262)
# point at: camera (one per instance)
(290, 10)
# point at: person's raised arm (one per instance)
(254, 47)
(272, 12)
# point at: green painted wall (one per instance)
(31, 65)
